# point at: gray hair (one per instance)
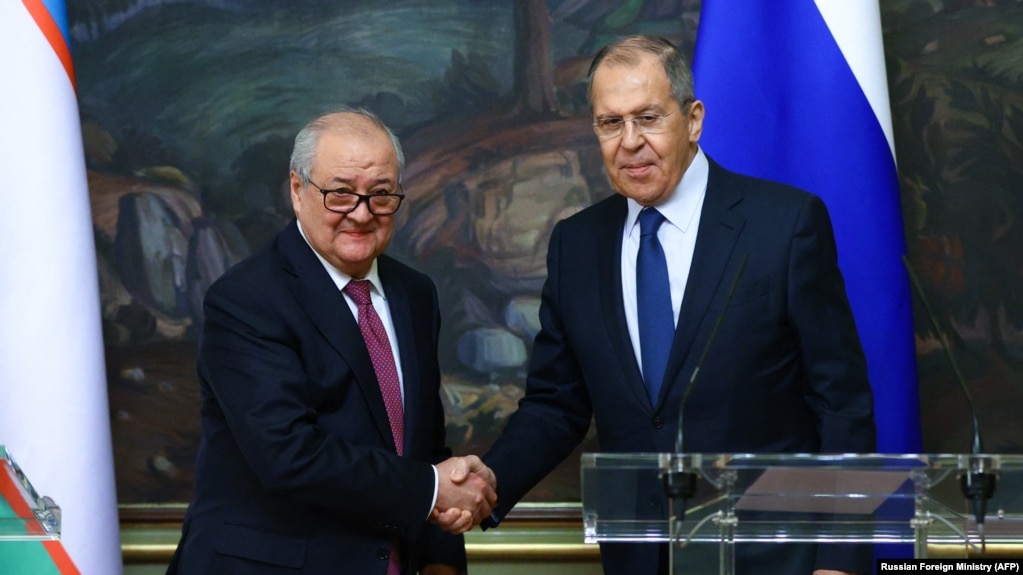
(306, 141)
(630, 49)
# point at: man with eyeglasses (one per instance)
(323, 446)
(636, 284)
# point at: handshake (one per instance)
(466, 494)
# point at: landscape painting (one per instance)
(189, 109)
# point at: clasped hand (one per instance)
(466, 494)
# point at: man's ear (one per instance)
(296, 186)
(696, 113)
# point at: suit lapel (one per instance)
(319, 297)
(609, 269)
(719, 230)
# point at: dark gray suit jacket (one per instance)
(786, 372)
(297, 470)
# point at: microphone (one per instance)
(977, 484)
(680, 484)
(680, 439)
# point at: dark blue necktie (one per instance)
(653, 298)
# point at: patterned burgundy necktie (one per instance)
(379, 347)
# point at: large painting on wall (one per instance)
(955, 74)
(189, 108)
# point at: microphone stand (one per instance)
(680, 482)
(978, 483)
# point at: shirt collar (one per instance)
(684, 202)
(340, 278)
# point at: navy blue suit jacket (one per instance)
(297, 470)
(786, 372)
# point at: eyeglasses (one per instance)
(613, 127)
(344, 201)
(648, 123)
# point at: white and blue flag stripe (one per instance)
(795, 91)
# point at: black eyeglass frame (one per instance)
(361, 198)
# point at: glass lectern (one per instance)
(804, 498)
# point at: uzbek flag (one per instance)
(29, 527)
(54, 415)
(795, 91)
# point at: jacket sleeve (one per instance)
(554, 415)
(835, 383)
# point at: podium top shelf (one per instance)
(859, 461)
(803, 497)
(24, 515)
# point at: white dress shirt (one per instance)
(681, 211)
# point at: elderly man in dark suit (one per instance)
(323, 446)
(635, 286)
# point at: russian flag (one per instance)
(795, 91)
(54, 415)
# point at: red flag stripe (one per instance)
(10, 492)
(52, 32)
(60, 558)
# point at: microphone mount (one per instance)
(979, 481)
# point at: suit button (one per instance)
(658, 422)
(383, 553)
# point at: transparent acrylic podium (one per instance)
(24, 515)
(802, 498)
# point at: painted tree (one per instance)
(533, 91)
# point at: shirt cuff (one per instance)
(436, 488)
